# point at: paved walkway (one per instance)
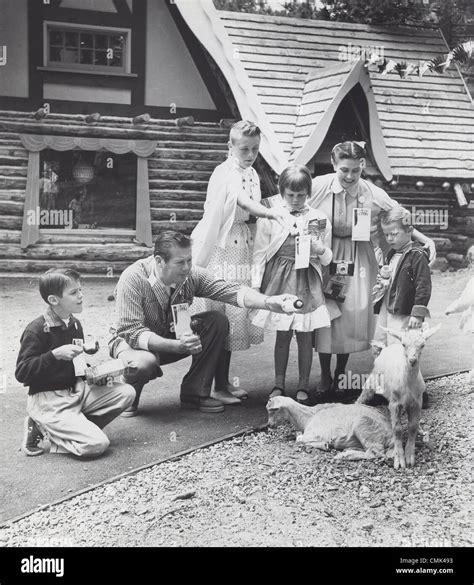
(162, 429)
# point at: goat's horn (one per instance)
(427, 334)
(392, 332)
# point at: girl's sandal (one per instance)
(302, 397)
(276, 391)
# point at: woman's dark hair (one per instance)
(55, 280)
(348, 149)
(296, 178)
(166, 240)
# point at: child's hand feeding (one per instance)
(281, 215)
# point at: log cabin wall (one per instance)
(433, 205)
(179, 170)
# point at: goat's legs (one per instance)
(354, 455)
(370, 435)
(396, 410)
(414, 412)
(322, 445)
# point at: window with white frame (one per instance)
(93, 48)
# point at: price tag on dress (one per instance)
(302, 251)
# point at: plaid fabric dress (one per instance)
(234, 264)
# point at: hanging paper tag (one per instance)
(302, 251)
(181, 319)
(317, 228)
(272, 201)
(360, 224)
(80, 365)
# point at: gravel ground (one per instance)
(263, 489)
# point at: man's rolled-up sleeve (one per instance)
(218, 289)
(130, 315)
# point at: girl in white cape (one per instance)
(223, 244)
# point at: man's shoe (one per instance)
(31, 437)
(238, 392)
(226, 397)
(204, 404)
(130, 411)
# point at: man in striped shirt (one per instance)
(145, 339)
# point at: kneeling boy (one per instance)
(64, 407)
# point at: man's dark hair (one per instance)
(166, 240)
(55, 280)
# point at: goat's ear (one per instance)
(392, 332)
(427, 334)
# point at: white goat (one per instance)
(396, 375)
(465, 305)
(357, 430)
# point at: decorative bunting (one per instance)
(387, 66)
(373, 59)
(462, 53)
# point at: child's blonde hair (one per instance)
(398, 214)
(296, 178)
(243, 128)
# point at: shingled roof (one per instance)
(292, 75)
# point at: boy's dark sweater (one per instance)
(36, 365)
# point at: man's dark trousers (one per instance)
(198, 380)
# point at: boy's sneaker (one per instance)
(31, 437)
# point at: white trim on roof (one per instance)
(203, 19)
(358, 74)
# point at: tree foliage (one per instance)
(384, 12)
(446, 14)
(387, 12)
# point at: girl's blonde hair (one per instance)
(296, 178)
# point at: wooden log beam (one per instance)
(185, 121)
(10, 222)
(10, 236)
(93, 118)
(26, 127)
(83, 266)
(72, 252)
(142, 119)
(11, 207)
(75, 237)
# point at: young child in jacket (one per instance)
(408, 289)
(62, 406)
(274, 272)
